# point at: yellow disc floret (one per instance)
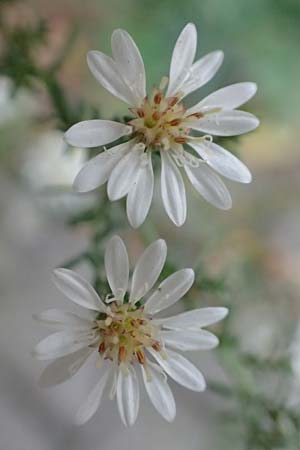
(160, 120)
(125, 332)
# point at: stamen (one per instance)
(163, 83)
(180, 140)
(172, 101)
(140, 112)
(141, 357)
(198, 115)
(156, 346)
(175, 122)
(122, 354)
(102, 347)
(158, 98)
(156, 115)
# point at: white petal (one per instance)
(140, 195)
(226, 123)
(170, 291)
(113, 383)
(182, 58)
(159, 393)
(93, 133)
(64, 368)
(77, 289)
(129, 62)
(209, 185)
(172, 190)
(181, 370)
(123, 175)
(105, 70)
(229, 97)
(92, 403)
(128, 395)
(61, 319)
(222, 161)
(117, 266)
(187, 340)
(62, 343)
(202, 71)
(147, 269)
(98, 169)
(195, 319)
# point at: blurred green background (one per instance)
(249, 257)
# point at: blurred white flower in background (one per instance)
(49, 168)
(49, 163)
(15, 106)
(125, 334)
(161, 123)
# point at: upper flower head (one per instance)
(126, 336)
(161, 123)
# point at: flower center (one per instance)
(125, 333)
(160, 121)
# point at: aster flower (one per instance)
(162, 124)
(126, 335)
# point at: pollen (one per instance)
(125, 334)
(160, 121)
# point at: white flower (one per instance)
(162, 124)
(54, 166)
(125, 334)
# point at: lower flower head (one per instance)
(126, 334)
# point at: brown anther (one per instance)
(175, 122)
(156, 346)
(140, 112)
(198, 115)
(156, 115)
(172, 101)
(122, 354)
(158, 98)
(102, 347)
(180, 140)
(141, 357)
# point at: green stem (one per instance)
(58, 99)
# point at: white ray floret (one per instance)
(126, 335)
(161, 124)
